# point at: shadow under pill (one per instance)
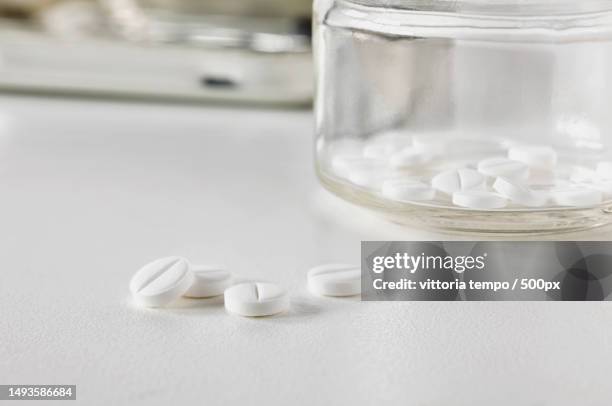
(303, 307)
(195, 303)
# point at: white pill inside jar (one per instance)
(504, 167)
(161, 281)
(407, 190)
(384, 145)
(432, 146)
(342, 147)
(369, 176)
(478, 199)
(409, 157)
(520, 194)
(342, 164)
(335, 280)
(209, 281)
(535, 156)
(456, 180)
(379, 151)
(362, 172)
(542, 177)
(577, 197)
(256, 299)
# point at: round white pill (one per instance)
(520, 194)
(430, 145)
(577, 197)
(335, 280)
(458, 179)
(161, 281)
(256, 299)
(344, 147)
(368, 177)
(209, 281)
(409, 157)
(360, 171)
(407, 190)
(542, 177)
(378, 151)
(342, 164)
(504, 167)
(478, 199)
(604, 170)
(385, 145)
(535, 156)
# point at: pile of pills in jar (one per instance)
(163, 281)
(491, 176)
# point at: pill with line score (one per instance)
(209, 281)
(520, 194)
(161, 281)
(478, 199)
(256, 299)
(335, 280)
(504, 167)
(456, 180)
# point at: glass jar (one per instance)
(411, 93)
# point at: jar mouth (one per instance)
(475, 20)
(526, 8)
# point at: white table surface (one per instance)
(90, 191)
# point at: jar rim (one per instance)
(495, 7)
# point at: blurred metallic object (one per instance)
(162, 53)
(248, 24)
(73, 19)
(21, 8)
(197, 20)
(253, 8)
